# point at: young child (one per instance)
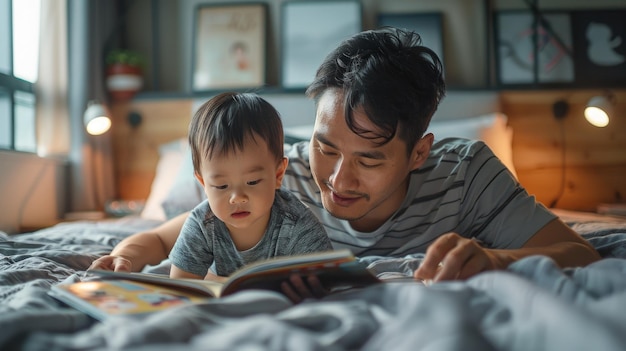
(236, 143)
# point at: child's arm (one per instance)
(140, 249)
(176, 272)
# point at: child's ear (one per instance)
(199, 178)
(280, 171)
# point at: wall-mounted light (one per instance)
(96, 119)
(599, 109)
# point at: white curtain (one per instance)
(62, 99)
(53, 132)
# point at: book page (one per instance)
(206, 287)
(102, 299)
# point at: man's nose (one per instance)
(343, 176)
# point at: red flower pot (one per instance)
(123, 81)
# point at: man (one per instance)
(382, 187)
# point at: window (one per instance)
(19, 53)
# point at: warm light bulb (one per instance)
(596, 116)
(98, 125)
(96, 120)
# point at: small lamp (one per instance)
(598, 110)
(96, 119)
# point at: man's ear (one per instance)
(421, 150)
(199, 178)
(280, 171)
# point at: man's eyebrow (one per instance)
(376, 155)
(322, 139)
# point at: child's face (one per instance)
(241, 186)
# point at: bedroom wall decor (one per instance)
(96, 118)
(229, 46)
(532, 50)
(578, 48)
(311, 30)
(600, 47)
(599, 109)
(428, 25)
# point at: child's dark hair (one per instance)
(222, 124)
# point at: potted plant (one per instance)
(124, 70)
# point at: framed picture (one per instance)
(229, 46)
(530, 51)
(600, 47)
(428, 25)
(310, 31)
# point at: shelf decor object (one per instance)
(576, 48)
(310, 31)
(229, 46)
(428, 25)
(533, 50)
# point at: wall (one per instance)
(464, 31)
(595, 158)
(537, 151)
(33, 191)
(595, 161)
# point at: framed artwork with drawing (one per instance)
(310, 31)
(229, 46)
(534, 51)
(600, 47)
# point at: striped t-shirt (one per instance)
(461, 188)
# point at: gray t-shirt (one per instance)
(462, 187)
(205, 242)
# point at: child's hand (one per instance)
(112, 263)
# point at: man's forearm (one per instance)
(565, 254)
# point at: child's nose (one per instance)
(238, 197)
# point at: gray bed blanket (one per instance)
(533, 305)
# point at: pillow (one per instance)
(186, 192)
(170, 160)
(491, 128)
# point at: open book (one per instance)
(335, 269)
(141, 293)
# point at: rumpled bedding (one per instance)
(533, 305)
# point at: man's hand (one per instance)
(112, 263)
(297, 289)
(453, 257)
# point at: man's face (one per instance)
(360, 181)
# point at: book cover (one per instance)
(105, 298)
(336, 270)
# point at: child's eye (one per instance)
(254, 182)
(220, 187)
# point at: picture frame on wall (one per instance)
(600, 47)
(310, 31)
(428, 25)
(229, 46)
(534, 52)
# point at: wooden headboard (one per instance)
(136, 150)
(595, 157)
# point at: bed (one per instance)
(533, 305)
